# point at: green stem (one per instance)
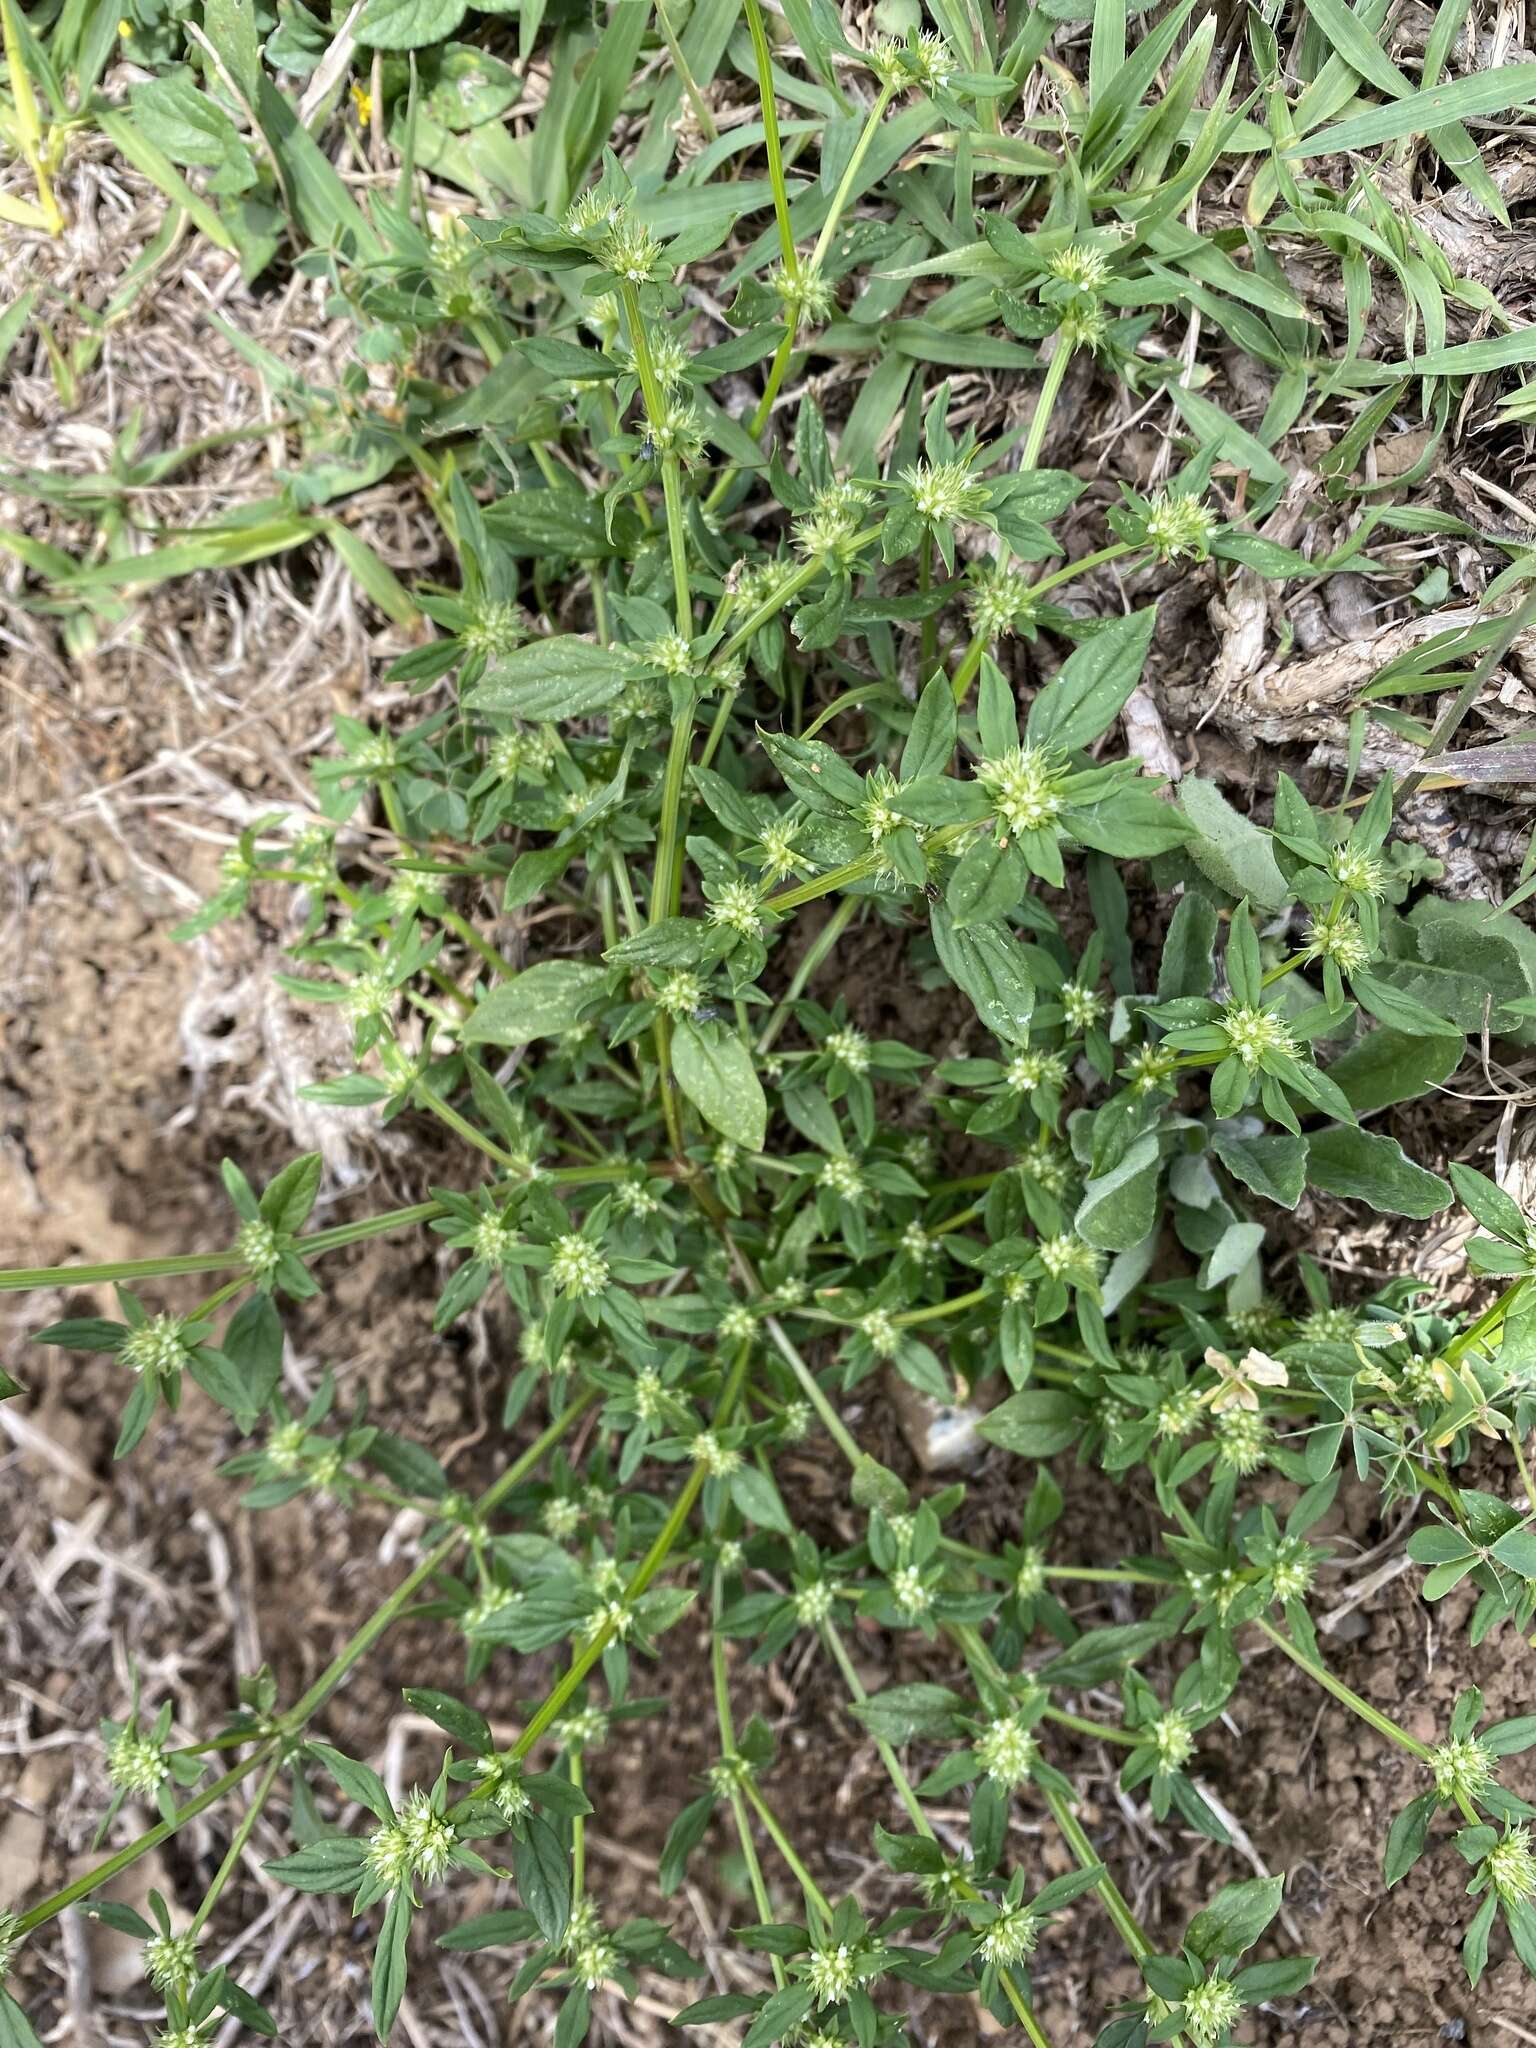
(666, 887)
(772, 146)
(287, 1728)
(887, 1755)
(1320, 1675)
(833, 1422)
(461, 1126)
(815, 1898)
(1055, 371)
(859, 870)
(1125, 1921)
(656, 413)
(1081, 566)
(811, 959)
(845, 183)
(955, 1306)
(1021, 2009)
(1491, 1319)
(471, 938)
(920, 1821)
(686, 79)
(960, 682)
(791, 587)
(124, 1859)
(928, 644)
(384, 1616)
(677, 543)
(727, 1727)
(1081, 1725)
(233, 1853)
(555, 1703)
(24, 1277)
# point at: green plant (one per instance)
(715, 1204)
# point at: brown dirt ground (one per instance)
(128, 1067)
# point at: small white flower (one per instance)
(1252, 1033)
(594, 1962)
(1353, 868)
(849, 1048)
(1173, 1741)
(880, 1332)
(737, 1325)
(170, 1962)
(136, 1765)
(719, 1460)
(814, 1603)
(501, 1782)
(259, 1247)
(1023, 784)
(1292, 1569)
(1027, 1071)
(680, 993)
(1239, 1383)
(1048, 1164)
(1341, 940)
(842, 1176)
(155, 1347)
(908, 1591)
(493, 1239)
(737, 907)
(795, 1421)
(1067, 1258)
(878, 814)
(1177, 1413)
(1210, 2009)
(1179, 525)
(1083, 1006)
(998, 602)
(780, 857)
(577, 1267)
(1029, 1579)
(630, 251)
(1006, 1751)
(805, 295)
(830, 1973)
(1148, 1068)
(672, 654)
(561, 1518)
(1511, 1867)
(1010, 1937)
(587, 1728)
(1462, 1768)
(371, 995)
(495, 628)
(1241, 1437)
(945, 490)
(613, 1618)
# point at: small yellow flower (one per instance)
(1240, 1382)
(362, 99)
